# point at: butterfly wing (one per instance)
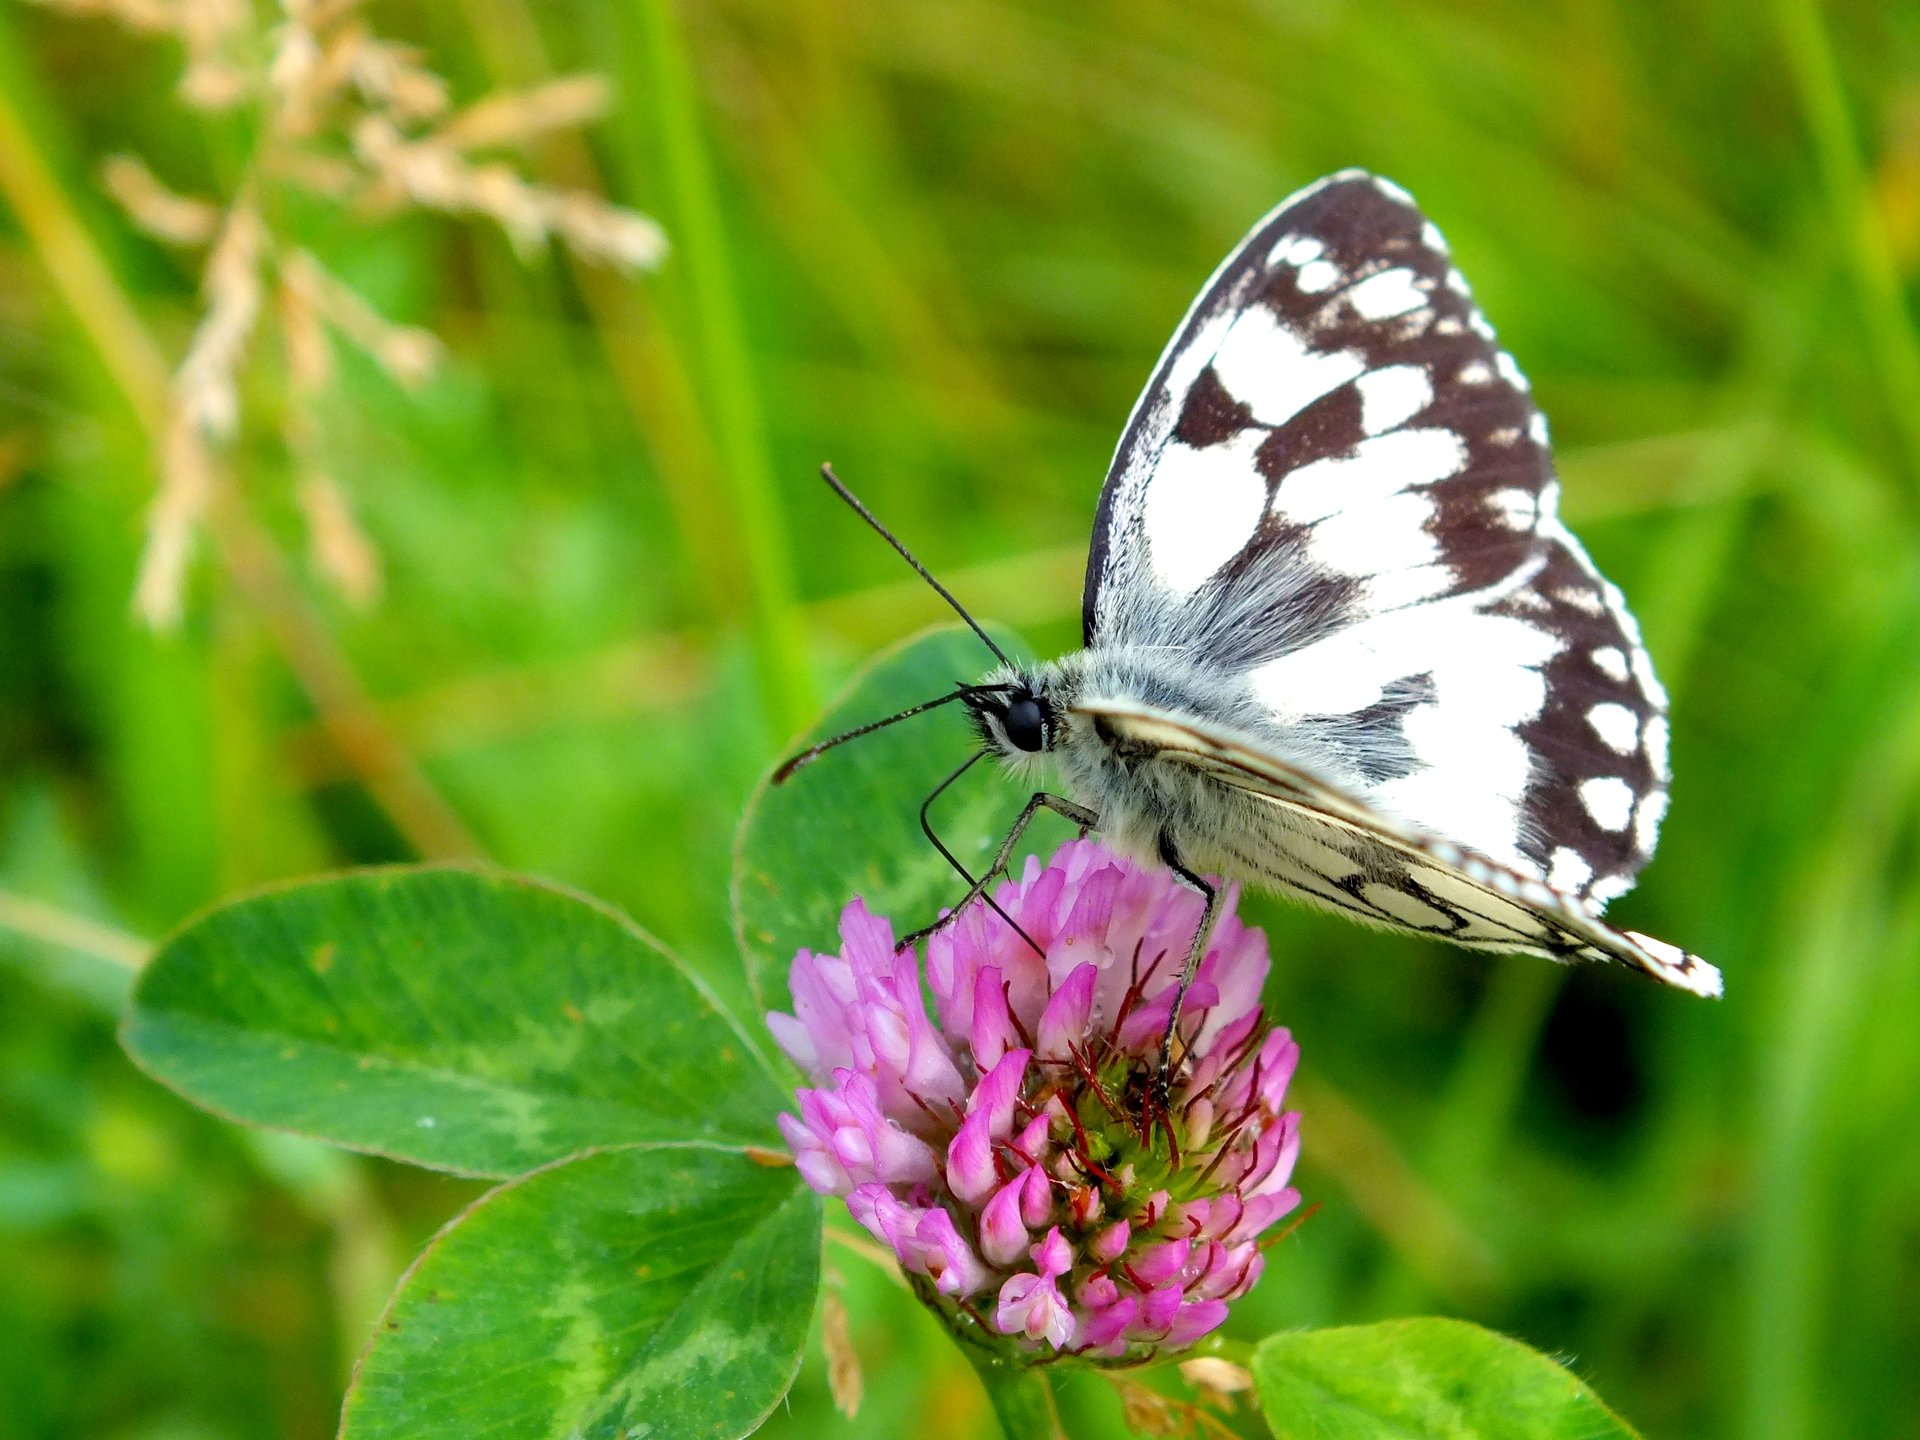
(1336, 494)
(1336, 851)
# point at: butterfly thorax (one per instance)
(1144, 802)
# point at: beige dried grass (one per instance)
(367, 124)
(177, 219)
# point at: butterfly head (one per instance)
(1015, 713)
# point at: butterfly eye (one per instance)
(1026, 725)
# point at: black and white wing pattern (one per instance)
(1336, 494)
(1295, 833)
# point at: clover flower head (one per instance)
(1008, 1147)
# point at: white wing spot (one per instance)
(1537, 430)
(1609, 887)
(1646, 821)
(1510, 371)
(1609, 800)
(1569, 870)
(1616, 725)
(1580, 598)
(1275, 373)
(1474, 768)
(1643, 672)
(1516, 509)
(1530, 602)
(1477, 323)
(1654, 741)
(1391, 190)
(1431, 237)
(1457, 283)
(1477, 372)
(1447, 325)
(1392, 395)
(1505, 435)
(1377, 471)
(1296, 250)
(1201, 508)
(1611, 662)
(1317, 276)
(1389, 293)
(1383, 536)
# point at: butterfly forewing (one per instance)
(1337, 491)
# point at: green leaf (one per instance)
(662, 1291)
(1423, 1380)
(466, 1021)
(849, 824)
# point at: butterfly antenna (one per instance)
(853, 502)
(814, 752)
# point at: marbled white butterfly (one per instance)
(1339, 643)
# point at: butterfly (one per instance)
(1339, 644)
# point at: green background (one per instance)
(940, 242)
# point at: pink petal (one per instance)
(795, 1039)
(1238, 1270)
(1222, 1214)
(1036, 1199)
(1032, 1305)
(1279, 1056)
(955, 1269)
(1261, 1211)
(1096, 1291)
(1146, 1022)
(1064, 1022)
(888, 1219)
(1158, 1263)
(1032, 1141)
(1084, 1205)
(971, 1173)
(1110, 1244)
(895, 1156)
(1003, 1239)
(1199, 1123)
(951, 965)
(929, 1070)
(1052, 1256)
(992, 1032)
(1195, 1318)
(997, 1092)
(1209, 1264)
(866, 939)
(817, 1167)
(1107, 1326)
(1157, 1311)
(1274, 1154)
(1240, 967)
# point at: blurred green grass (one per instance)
(940, 242)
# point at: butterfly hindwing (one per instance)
(1333, 850)
(1337, 492)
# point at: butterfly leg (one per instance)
(977, 889)
(1216, 902)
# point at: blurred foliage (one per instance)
(940, 242)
